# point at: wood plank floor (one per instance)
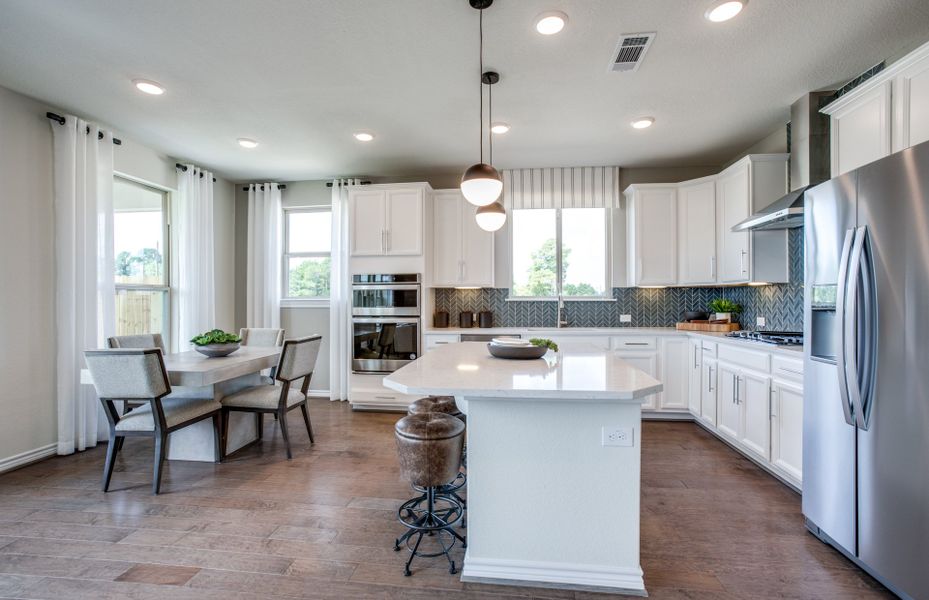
(322, 525)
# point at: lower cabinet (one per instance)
(709, 383)
(648, 362)
(787, 429)
(744, 409)
(695, 368)
(675, 373)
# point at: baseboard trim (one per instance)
(30, 456)
(596, 578)
(667, 415)
(318, 393)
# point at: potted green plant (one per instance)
(216, 342)
(724, 309)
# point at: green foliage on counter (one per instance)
(544, 342)
(215, 336)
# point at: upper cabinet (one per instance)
(742, 189)
(387, 221)
(463, 252)
(887, 113)
(696, 226)
(651, 234)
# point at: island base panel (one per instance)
(548, 504)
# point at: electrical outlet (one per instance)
(617, 436)
(625, 318)
(760, 321)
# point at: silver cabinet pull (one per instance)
(742, 260)
(712, 267)
(635, 343)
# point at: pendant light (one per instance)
(481, 184)
(493, 216)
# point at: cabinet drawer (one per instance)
(635, 342)
(435, 339)
(787, 368)
(709, 348)
(758, 361)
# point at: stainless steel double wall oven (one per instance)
(386, 321)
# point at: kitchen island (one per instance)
(554, 454)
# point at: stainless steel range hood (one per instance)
(809, 165)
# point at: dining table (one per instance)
(192, 374)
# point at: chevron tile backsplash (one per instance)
(780, 304)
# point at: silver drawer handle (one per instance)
(794, 371)
(386, 397)
(635, 344)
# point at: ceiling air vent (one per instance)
(630, 51)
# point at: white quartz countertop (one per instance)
(467, 369)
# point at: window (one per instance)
(141, 263)
(307, 251)
(560, 252)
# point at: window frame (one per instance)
(297, 301)
(607, 295)
(165, 288)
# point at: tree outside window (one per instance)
(307, 253)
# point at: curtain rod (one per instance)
(280, 186)
(184, 168)
(329, 183)
(61, 120)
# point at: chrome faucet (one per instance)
(562, 317)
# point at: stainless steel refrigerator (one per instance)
(866, 380)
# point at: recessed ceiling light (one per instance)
(642, 122)
(724, 10)
(149, 87)
(247, 143)
(363, 136)
(550, 23)
(499, 127)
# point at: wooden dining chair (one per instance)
(298, 359)
(263, 336)
(140, 375)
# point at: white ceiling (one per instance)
(300, 76)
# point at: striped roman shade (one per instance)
(561, 187)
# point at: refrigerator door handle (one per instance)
(866, 356)
(841, 306)
(851, 326)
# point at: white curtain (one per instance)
(340, 299)
(84, 281)
(263, 277)
(192, 272)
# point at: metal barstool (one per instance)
(429, 447)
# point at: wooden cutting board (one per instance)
(710, 327)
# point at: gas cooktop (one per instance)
(780, 338)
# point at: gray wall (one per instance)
(27, 270)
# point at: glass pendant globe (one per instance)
(481, 184)
(490, 217)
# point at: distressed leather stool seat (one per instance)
(429, 447)
(445, 405)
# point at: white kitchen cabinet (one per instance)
(695, 368)
(696, 221)
(728, 417)
(576, 342)
(648, 362)
(432, 341)
(860, 128)
(709, 393)
(787, 429)
(387, 221)
(911, 100)
(651, 234)
(369, 213)
(463, 252)
(742, 189)
(674, 372)
(754, 402)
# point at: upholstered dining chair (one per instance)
(140, 375)
(141, 340)
(263, 336)
(298, 359)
